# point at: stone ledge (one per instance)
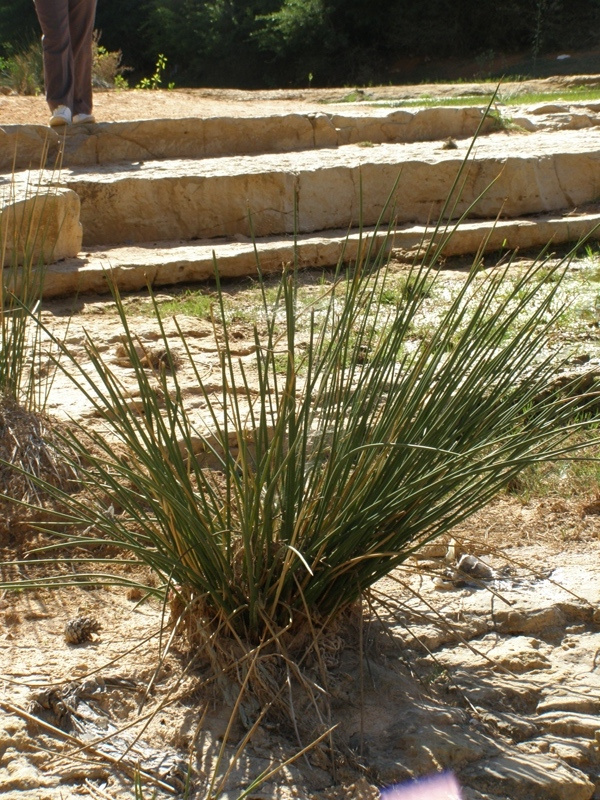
(160, 264)
(38, 225)
(29, 146)
(155, 139)
(508, 176)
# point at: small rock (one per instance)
(529, 775)
(530, 620)
(450, 144)
(582, 358)
(549, 108)
(576, 752)
(525, 123)
(474, 568)
(17, 773)
(510, 725)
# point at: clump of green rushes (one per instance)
(340, 466)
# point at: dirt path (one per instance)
(138, 104)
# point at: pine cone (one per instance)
(80, 629)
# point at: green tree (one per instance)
(123, 25)
(18, 26)
(252, 43)
(209, 41)
(333, 40)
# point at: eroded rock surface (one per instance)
(515, 716)
(38, 224)
(319, 169)
(317, 190)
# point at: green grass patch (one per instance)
(568, 478)
(577, 94)
(190, 303)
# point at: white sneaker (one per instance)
(82, 119)
(60, 116)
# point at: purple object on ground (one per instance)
(439, 787)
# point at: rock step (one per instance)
(38, 225)
(29, 146)
(266, 195)
(112, 142)
(132, 268)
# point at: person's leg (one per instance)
(58, 56)
(81, 21)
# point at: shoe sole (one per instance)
(55, 122)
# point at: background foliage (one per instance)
(253, 43)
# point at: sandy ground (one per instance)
(457, 679)
(145, 104)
